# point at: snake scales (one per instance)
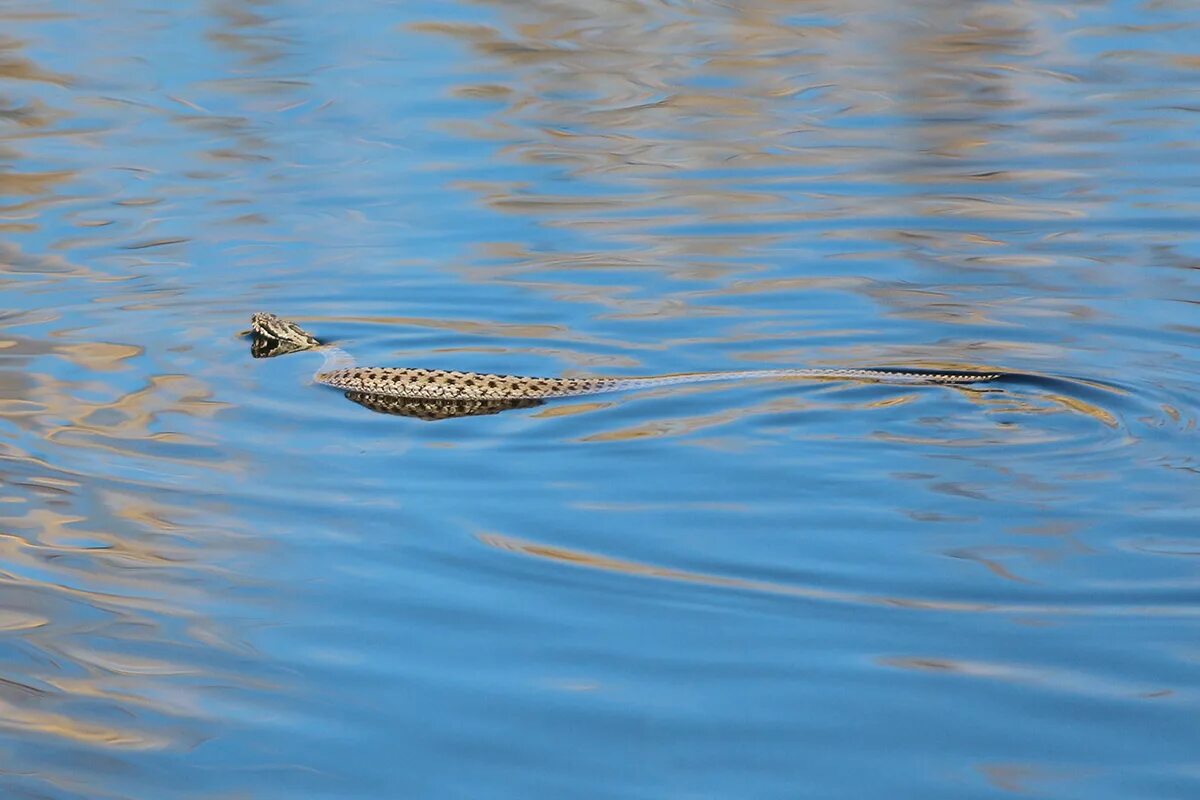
(437, 394)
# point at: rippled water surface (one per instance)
(219, 581)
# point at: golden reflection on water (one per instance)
(95, 588)
(695, 148)
(579, 558)
(709, 136)
(25, 720)
(616, 100)
(103, 579)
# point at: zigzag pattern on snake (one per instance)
(274, 335)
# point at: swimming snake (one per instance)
(436, 393)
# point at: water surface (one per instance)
(219, 581)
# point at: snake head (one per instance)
(276, 336)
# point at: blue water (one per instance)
(219, 581)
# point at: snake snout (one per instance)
(274, 335)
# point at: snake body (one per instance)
(437, 384)
(274, 335)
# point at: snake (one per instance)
(439, 393)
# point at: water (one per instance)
(219, 581)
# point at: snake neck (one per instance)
(335, 358)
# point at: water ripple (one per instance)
(219, 580)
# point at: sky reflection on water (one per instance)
(220, 581)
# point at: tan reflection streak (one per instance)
(248, 34)
(152, 243)
(643, 507)
(55, 531)
(570, 409)
(99, 356)
(123, 426)
(987, 558)
(611, 98)
(1095, 412)
(979, 669)
(31, 183)
(643, 96)
(131, 416)
(12, 621)
(580, 558)
(102, 601)
(17, 68)
(503, 330)
(121, 572)
(679, 426)
(1059, 680)
(182, 700)
(27, 720)
(15, 261)
(1027, 779)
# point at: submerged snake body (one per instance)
(276, 336)
(437, 409)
